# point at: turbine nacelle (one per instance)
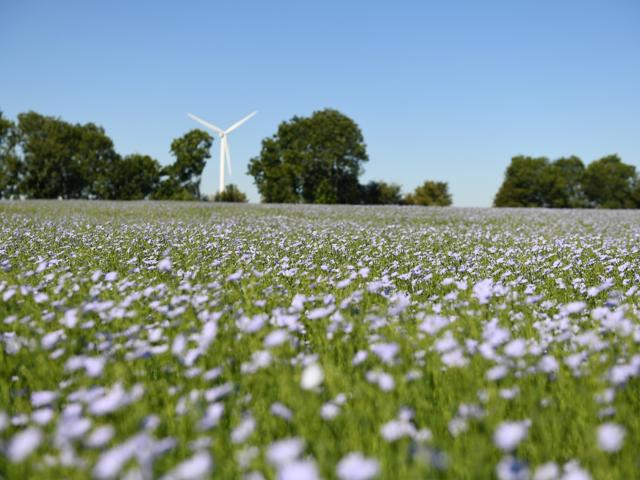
(224, 143)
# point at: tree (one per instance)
(11, 165)
(61, 159)
(564, 179)
(231, 193)
(526, 183)
(610, 183)
(133, 177)
(315, 159)
(380, 193)
(192, 151)
(430, 193)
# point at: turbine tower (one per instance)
(224, 144)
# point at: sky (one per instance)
(442, 90)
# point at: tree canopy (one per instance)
(610, 183)
(315, 159)
(430, 193)
(62, 159)
(133, 177)
(567, 183)
(46, 157)
(381, 193)
(231, 193)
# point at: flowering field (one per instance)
(178, 341)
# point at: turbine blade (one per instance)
(206, 124)
(227, 154)
(237, 124)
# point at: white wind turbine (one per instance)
(224, 144)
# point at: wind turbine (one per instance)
(224, 144)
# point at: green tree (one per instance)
(526, 183)
(61, 159)
(11, 165)
(610, 183)
(315, 159)
(231, 194)
(564, 179)
(381, 193)
(191, 151)
(430, 193)
(133, 177)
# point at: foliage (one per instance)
(133, 177)
(566, 183)
(10, 164)
(380, 193)
(191, 152)
(62, 159)
(315, 159)
(231, 193)
(610, 183)
(430, 193)
(526, 183)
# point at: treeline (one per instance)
(46, 157)
(316, 159)
(568, 183)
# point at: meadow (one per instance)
(194, 340)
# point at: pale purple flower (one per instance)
(610, 437)
(356, 466)
(197, 467)
(285, 451)
(242, 432)
(385, 351)
(508, 435)
(299, 470)
(164, 265)
(43, 398)
(547, 471)
(23, 444)
(510, 468)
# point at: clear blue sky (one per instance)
(446, 90)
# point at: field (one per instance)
(186, 340)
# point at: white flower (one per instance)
(610, 437)
(509, 434)
(312, 377)
(356, 466)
